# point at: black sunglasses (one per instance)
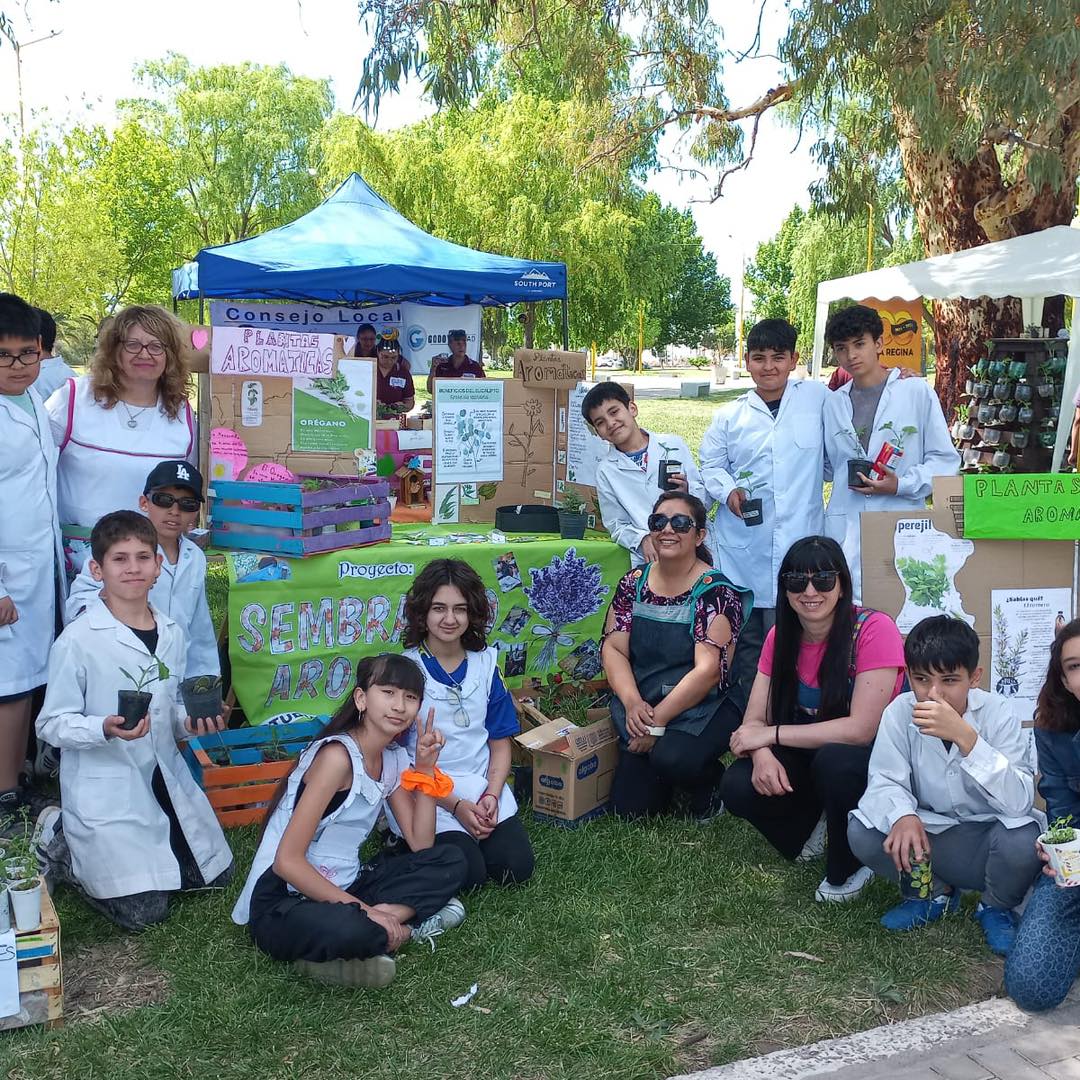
(681, 523)
(188, 504)
(822, 580)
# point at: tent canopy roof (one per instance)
(1039, 264)
(355, 248)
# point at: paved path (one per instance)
(993, 1040)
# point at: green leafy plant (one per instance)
(18, 842)
(898, 436)
(152, 673)
(1009, 651)
(334, 390)
(745, 480)
(1060, 831)
(572, 502)
(928, 582)
(855, 437)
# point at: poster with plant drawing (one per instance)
(468, 430)
(334, 414)
(927, 562)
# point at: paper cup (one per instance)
(1064, 861)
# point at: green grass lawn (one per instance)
(688, 417)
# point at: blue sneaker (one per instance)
(998, 927)
(911, 914)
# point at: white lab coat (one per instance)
(627, 493)
(116, 830)
(180, 591)
(787, 458)
(928, 452)
(913, 773)
(30, 552)
(52, 374)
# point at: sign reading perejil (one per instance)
(245, 350)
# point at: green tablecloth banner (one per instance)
(298, 626)
(1022, 506)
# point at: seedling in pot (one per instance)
(134, 704)
(752, 513)
(573, 516)
(1061, 842)
(202, 696)
(859, 463)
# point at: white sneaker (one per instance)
(453, 914)
(850, 890)
(46, 761)
(815, 846)
(48, 821)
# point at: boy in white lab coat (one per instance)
(54, 372)
(30, 584)
(765, 446)
(878, 417)
(951, 786)
(632, 473)
(135, 827)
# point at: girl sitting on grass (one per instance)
(307, 898)
(446, 612)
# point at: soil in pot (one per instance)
(202, 696)
(856, 466)
(751, 512)
(132, 705)
(572, 526)
(26, 904)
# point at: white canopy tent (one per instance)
(1030, 267)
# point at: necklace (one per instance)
(133, 417)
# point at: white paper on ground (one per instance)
(466, 997)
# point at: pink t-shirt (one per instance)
(879, 645)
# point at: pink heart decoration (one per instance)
(200, 337)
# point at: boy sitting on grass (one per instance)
(628, 478)
(951, 763)
(135, 827)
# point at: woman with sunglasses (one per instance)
(826, 673)
(115, 424)
(669, 642)
(394, 382)
(446, 617)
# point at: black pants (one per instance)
(291, 927)
(748, 653)
(831, 778)
(644, 784)
(505, 857)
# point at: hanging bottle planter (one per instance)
(1007, 413)
(1023, 391)
(1020, 439)
(986, 413)
(1017, 369)
(1001, 459)
(1026, 413)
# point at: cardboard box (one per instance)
(572, 766)
(549, 368)
(993, 564)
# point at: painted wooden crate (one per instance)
(232, 766)
(286, 519)
(41, 986)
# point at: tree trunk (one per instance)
(530, 324)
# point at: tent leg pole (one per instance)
(565, 325)
(201, 311)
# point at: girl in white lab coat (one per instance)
(135, 827)
(29, 540)
(446, 613)
(307, 898)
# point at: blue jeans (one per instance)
(1045, 960)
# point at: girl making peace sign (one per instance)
(307, 898)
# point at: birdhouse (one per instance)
(410, 486)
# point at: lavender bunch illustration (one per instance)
(564, 592)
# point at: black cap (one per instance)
(175, 474)
(457, 334)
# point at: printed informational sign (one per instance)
(1024, 625)
(903, 332)
(335, 415)
(927, 561)
(1022, 506)
(244, 351)
(425, 333)
(468, 430)
(583, 448)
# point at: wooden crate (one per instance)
(240, 790)
(41, 986)
(284, 519)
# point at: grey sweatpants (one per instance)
(1000, 863)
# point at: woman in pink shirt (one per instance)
(826, 673)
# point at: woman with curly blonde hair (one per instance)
(112, 426)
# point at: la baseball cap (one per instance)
(175, 474)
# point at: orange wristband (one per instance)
(438, 786)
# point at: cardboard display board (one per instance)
(919, 564)
(549, 368)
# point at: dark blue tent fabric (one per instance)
(356, 248)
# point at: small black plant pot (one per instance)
(132, 705)
(668, 467)
(856, 466)
(201, 701)
(572, 526)
(751, 512)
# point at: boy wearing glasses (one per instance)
(30, 553)
(171, 501)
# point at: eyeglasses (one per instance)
(822, 580)
(461, 714)
(163, 499)
(681, 523)
(28, 357)
(153, 348)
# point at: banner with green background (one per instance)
(1022, 506)
(298, 626)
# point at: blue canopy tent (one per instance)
(355, 248)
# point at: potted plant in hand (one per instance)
(572, 516)
(859, 463)
(202, 696)
(134, 704)
(751, 507)
(1061, 842)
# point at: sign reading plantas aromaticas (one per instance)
(1025, 506)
